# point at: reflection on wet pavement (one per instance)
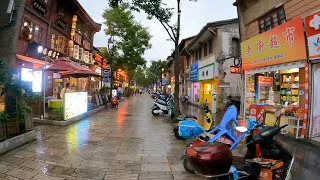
(124, 143)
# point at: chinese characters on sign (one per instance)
(289, 35)
(235, 70)
(249, 49)
(41, 8)
(275, 46)
(274, 43)
(50, 53)
(61, 23)
(260, 46)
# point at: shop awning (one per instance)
(62, 64)
(29, 59)
(81, 73)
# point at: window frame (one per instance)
(32, 30)
(205, 49)
(263, 20)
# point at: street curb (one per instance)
(17, 141)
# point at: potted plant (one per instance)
(25, 117)
(3, 122)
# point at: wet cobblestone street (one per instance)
(124, 143)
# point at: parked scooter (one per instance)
(114, 102)
(207, 124)
(161, 107)
(215, 159)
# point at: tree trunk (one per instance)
(176, 66)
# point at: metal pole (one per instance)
(44, 89)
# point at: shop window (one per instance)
(205, 50)
(210, 47)
(272, 19)
(31, 31)
(37, 31)
(76, 51)
(235, 47)
(86, 44)
(77, 38)
(196, 55)
(53, 41)
(62, 44)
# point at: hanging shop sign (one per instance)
(313, 34)
(194, 72)
(275, 46)
(39, 6)
(106, 75)
(37, 51)
(235, 70)
(62, 24)
(224, 84)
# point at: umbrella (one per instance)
(62, 64)
(80, 73)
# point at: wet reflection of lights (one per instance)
(77, 135)
(122, 110)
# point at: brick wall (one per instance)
(9, 35)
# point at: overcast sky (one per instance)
(195, 15)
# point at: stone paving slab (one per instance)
(127, 143)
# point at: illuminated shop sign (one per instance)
(39, 6)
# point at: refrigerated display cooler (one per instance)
(264, 89)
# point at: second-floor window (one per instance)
(205, 50)
(200, 54)
(273, 19)
(31, 31)
(59, 43)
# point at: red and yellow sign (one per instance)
(285, 43)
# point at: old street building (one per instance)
(43, 30)
(275, 61)
(214, 50)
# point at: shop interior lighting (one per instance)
(40, 49)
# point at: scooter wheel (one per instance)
(154, 109)
(176, 133)
(187, 166)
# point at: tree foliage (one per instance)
(154, 72)
(163, 13)
(127, 39)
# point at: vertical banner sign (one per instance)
(312, 23)
(194, 70)
(106, 75)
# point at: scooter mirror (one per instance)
(241, 129)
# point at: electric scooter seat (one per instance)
(191, 117)
(162, 103)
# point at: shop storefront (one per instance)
(275, 75)
(313, 36)
(209, 86)
(195, 85)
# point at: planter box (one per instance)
(3, 134)
(17, 141)
(28, 121)
(36, 106)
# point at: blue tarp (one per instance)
(190, 129)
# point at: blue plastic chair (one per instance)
(225, 130)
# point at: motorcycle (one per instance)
(207, 124)
(114, 102)
(215, 159)
(161, 107)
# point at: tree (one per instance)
(154, 72)
(127, 39)
(159, 10)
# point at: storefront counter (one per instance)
(75, 104)
(55, 104)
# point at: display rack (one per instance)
(289, 87)
(296, 126)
